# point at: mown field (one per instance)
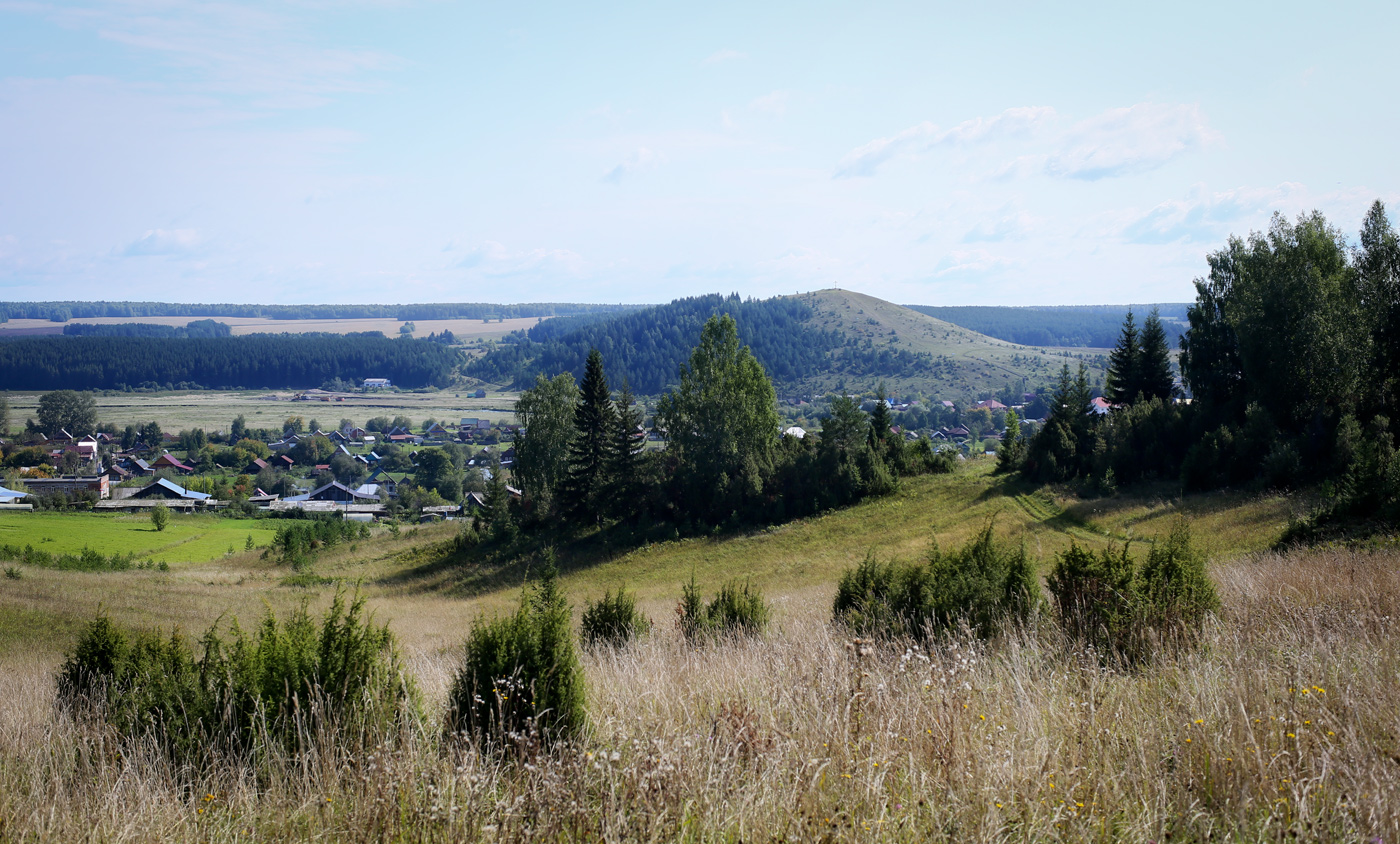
(186, 539)
(215, 410)
(1280, 726)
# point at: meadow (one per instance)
(1280, 726)
(215, 410)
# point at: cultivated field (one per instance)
(1281, 726)
(466, 330)
(187, 539)
(215, 410)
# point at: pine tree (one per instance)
(594, 426)
(1154, 361)
(625, 456)
(880, 420)
(1125, 365)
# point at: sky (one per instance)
(308, 151)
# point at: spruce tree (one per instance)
(594, 426)
(1154, 362)
(625, 456)
(880, 420)
(1125, 365)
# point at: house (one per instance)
(116, 474)
(436, 430)
(474, 502)
(10, 496)
(508, 457)
(991, 404)
(376, 383)
(69, 485)
(795, 431)
(170, 490)
(335, 491)
(61, 437)
(387, 485)
(475, 422)
(139, 466)
(256, 466)
(479, 394)
(356, 433)
(169, 461)
(1100, 405)
(948, 404)
(262, 498)
(283, 461)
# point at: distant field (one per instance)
(187, 539)
(466, 330)
(215, 411)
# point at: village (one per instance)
(361, 472)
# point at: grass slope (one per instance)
(967, 364)
(430, 597)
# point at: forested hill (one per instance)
(812, 343)
(647, 347)
(1069, 325)
(64, 311)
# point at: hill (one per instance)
(809, 343)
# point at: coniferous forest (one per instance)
(254, 361)
(647, 347)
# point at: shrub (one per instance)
(613, 619)
(737, 609)
(1125, 611)
(982, 585)
(13, 572)
(520, 680)
(245, 694)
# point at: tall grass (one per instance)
(1280, 727)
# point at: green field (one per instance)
(187, 539)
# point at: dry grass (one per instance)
(1281, 725)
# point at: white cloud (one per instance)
(272, 57)
(1115, 142)
(774, 103)
(1129, 140)
(725, 55)
(491, 258)
(1204, 216)
(864, 160)
(1009, 225)
(972, 262)
(641, 158)
(174, 242)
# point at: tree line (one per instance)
(195, 328)
(580, 460)
(1292, 360)
(255, 361)
(1094, 326)
(64, 311)
(646, 347)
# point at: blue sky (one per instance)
(970, 153)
